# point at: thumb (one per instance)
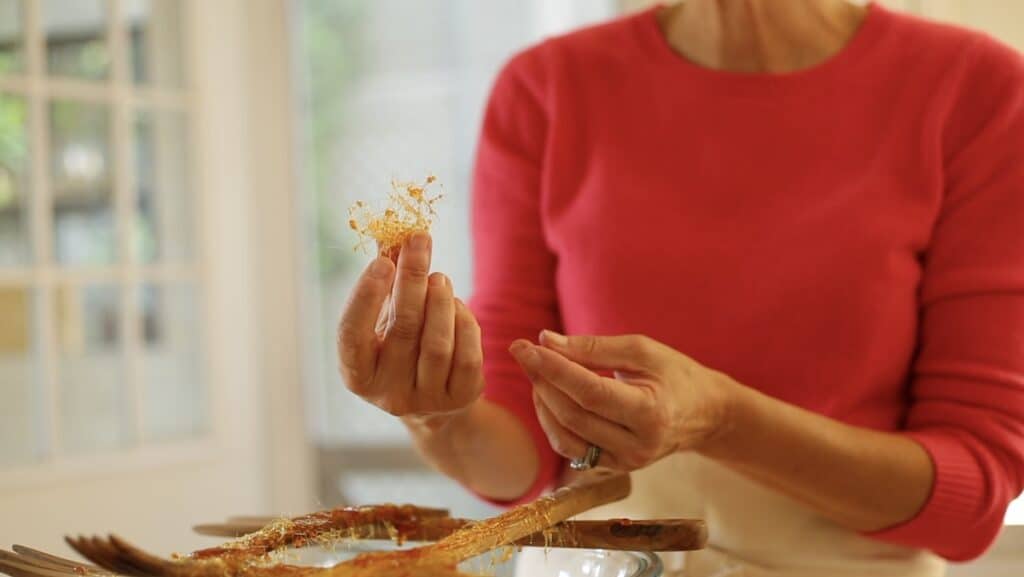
(634, 353)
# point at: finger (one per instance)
(565, 442)
(466, 379)
(401, 344)
(357, 341)
(583, 423)
(411, 290)
(438, 341)
(627, 352)
(608, 398)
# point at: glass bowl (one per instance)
(550, 563)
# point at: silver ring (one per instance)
(588, 461)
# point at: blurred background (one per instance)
(174, 181)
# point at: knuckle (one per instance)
(642, 342)
(588, 344)
(467, 324)
(436, 352)
(345, 333)
(406, 326)
(347, 354)
(638, 345)
(348, 351)
(470, 362)
(593, 396)
(415, 271)
(575, 420)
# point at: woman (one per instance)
(811, 210)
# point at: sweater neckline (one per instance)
(863, 40)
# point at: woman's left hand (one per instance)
(659, 401)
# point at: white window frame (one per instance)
(42, 274)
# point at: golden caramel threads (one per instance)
(410, 209)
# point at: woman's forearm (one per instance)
(485, 448)
(864, 479)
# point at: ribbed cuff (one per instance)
(953, 521)
(549, 462)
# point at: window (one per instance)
(100, 288)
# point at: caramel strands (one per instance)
(410, 209)
(249, 556)
(399, 522)
(591, 490)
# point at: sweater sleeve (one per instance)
(967, 390)
(514, 288)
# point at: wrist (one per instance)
(730, 405)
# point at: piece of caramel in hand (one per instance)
(410, 209)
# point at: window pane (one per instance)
(81, 175)
(12, 51)
(20, 422)
(14, 174)
(164, 225)
(93, 404)
(155, 41)
(174, 398)
(76, 32)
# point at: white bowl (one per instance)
(554, 562)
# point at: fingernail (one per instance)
(419, 241)
(438, 280)
(380, 268)
(552, 338)
(516, 347)
(525, 353)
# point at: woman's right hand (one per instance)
(422, 358)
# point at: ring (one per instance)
(588, 461)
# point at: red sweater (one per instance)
(849, 238)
